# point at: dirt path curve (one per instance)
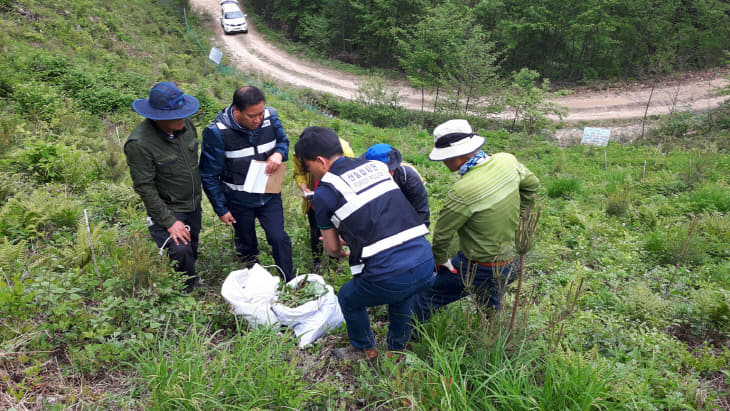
(250, 53)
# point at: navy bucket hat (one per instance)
(385, 153)
(166, 102)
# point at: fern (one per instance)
(12, 255)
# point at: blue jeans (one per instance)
(487, 284)
(397, 291)
(271, 217)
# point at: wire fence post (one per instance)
(91, 246)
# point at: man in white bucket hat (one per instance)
(483, 209)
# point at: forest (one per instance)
(573, 40)
(625, 299)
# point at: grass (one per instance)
(200, 369)
(648, 331)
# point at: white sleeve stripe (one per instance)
(249, 151)
(394, 240)
(244, 152)
(235, 187)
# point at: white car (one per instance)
(232, 19)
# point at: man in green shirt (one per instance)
(162, 154)
(483, 208)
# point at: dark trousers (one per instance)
(184, 255)
(362, 292)
(271, 217)
(487, 283)
(314, 233)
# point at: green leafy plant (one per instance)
(642, 304)
(711, 197)
(682, 245)
(707, 311)
(304, 292)
(42, 161)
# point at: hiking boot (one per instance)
(351, 353)
(393, 356)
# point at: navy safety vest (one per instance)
(239, 151)
(372, 214)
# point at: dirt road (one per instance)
(250, 53)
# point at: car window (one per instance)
(233, 15)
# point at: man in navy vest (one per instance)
(358, 202)
(247, 130)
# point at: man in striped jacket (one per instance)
(483, 209)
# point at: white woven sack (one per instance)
(312, 319)
(250, 293)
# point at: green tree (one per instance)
(429, 46)
(315, 31)
(530, 102)
(473, 74)
(381, 19)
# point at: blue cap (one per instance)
(385, 153)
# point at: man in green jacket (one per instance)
(483, 209)
(162, 154)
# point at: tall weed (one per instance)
(618, 203)
(562, 187)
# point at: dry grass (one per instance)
(25, 386)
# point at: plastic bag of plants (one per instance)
(251, 293)
(309, 306)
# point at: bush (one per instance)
(717, 229)
(37, 100)
(37, 215)
(678, 125)
(712, 307)
(41, 160)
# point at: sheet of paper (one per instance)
(256, 178)
(257, 181)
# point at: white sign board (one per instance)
(595, 136)
(215, 55)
